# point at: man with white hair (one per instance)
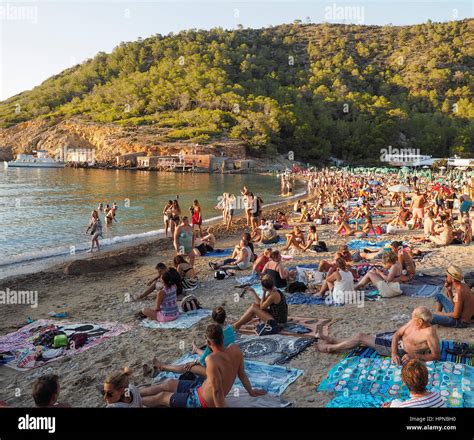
(417, 339)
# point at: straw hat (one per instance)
(455, 272)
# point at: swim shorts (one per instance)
(186, 395)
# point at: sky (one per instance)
(39, 38)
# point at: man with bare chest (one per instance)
(223, 366)
(456, 308)
(415, 340)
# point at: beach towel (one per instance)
(246, 280)
(274, 379)
(309, 300)
(289, 329)
(20, 352)
(243, 400)
(422, 279)
(452, 351)
(219, 253)
(185, 320)
(272, 349)
(420, 290)
(357, 244)
(381, 379)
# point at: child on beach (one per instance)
(166, 306)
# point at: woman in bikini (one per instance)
(187, 273)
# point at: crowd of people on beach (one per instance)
(355, 205)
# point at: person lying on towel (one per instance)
(415, 340)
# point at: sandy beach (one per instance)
(102, 297)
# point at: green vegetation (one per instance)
(319, 90)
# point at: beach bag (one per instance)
(296, 286)
(268, 328)
(77, 340)
(388, 289)
(46, 339)
(220, 275)
(320, 247)
(190, 303)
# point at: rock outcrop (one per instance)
(109, 140)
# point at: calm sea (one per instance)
(44, 212)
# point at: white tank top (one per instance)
(343, 287)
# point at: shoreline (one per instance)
(153, 238)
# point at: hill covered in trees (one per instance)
(318, 90)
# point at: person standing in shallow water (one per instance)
(196, 216)
(95, 228)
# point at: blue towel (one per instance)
(275, 379)
(361, 244)
(380, 378)
(421, 290)
(304, 266)
(219, 253)
(311, 300)
(185, 320)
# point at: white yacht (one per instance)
(39, 160)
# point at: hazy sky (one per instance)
(40, 38)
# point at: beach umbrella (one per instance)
(426, 167)
(400, 188)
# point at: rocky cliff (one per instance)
(109, 140)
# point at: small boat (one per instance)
(39, 160)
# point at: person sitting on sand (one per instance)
(312, 240)
(156, 283)
(387, 281)
(295, 239)
(268, 234)
(198, 367)
(223, 366)
(119, 393)
(189, 279)
(415, 377)
(272, 305)
(281, 221)
(166, 306)
(241, 262)
(279, 274)
(456, 309)
(428, 228)
(184, 240)
(329, 267)
(343, 223)
(261, 261)
(401, 218)
(415, 340)
(205, 244)
(444, 235)
(405, 259)
(341, 281)
(46, 392)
